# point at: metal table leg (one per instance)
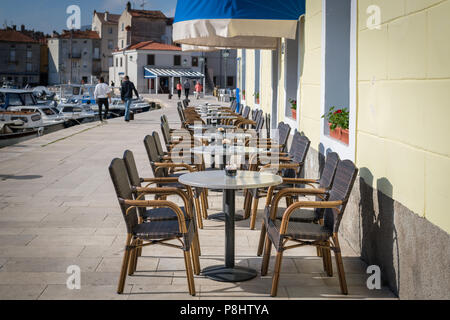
(229, 272)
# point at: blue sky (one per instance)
(49, 15)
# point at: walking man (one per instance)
(126, 94)
(102, 94)
(187, 88)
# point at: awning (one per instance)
(189, 48)
(168, 72)
(251, 24)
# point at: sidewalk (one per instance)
(58, 208)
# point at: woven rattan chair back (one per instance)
(268, 125)
(130, 164)
(233, 105)
(241, 109)
(246, 112)
(153, 156)
(133, 174)
(119, 177)
(159, 147)
(329, 170)
(344, 180)
(260, 122)
(181, 114)
(285, 131)
(165, 129)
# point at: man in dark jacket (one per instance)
(126, 94)
(187, 87)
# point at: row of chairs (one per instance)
(301, 222)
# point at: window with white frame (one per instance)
(339, 77)
(257, 75)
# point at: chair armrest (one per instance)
(287, 192)
(283, 166)
(160, 180)
(305, 204)
(162, 165)
(160, 204)
(300, 181)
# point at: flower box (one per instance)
(339, 134)
(336, 133)
(344, 136)
(294, 114)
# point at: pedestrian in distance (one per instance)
(187, 88)
(102, 95)
(126, 94)
(179, 88)
(198, 89)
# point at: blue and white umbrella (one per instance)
(251, 24)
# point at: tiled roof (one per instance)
(153, 45)
(78, 34)
(112, 18)
(15, 36)
(152, 14)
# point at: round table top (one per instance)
(220, 150)
(228, 135)
(219, 180)
(210, 126)
(218, 117)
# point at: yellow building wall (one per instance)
(250, 78)
(308, 108)
(404, 103)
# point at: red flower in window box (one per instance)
(338, 122)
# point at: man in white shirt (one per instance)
(102, 94)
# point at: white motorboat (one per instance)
(24, 100)
(17, 126)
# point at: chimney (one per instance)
(128, 6)
(106, 15)
(22, 28)
(14, 27)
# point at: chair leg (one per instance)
(131, 265)
(276, 274)
(319, 251)
(262, 237)
(125, 261)
(326, 257)
(266, 257)
(189, 273)
(254, 213)
(195, 258)
(204, 202)
(247, 205)
(340, 265)
(198, 212)
(197, 243)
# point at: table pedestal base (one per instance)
(221, 217)
(224, 274)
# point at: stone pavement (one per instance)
(58, 208)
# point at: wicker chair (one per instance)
(281, 233)
(153, 232)
(289, 167)
(165, 167)
(138, 191)
(323, 184)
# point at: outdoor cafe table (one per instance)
(219, 180)
(211, 136)
(210, 126)
(214, 150)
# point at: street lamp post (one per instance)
(225, 55)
